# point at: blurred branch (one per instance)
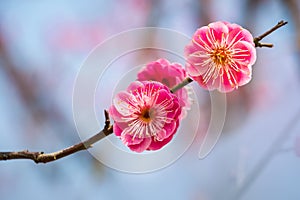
(28, 88)
(35, 95)
(267, 157)
(25, 86)
(274, 28)
(294, 10)
(41, 157)
(204, 11)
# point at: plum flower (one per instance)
(146, 115)
(169, 74)
(220, 56)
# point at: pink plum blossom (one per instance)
(146, 115)
(169, 74)
(220, 56)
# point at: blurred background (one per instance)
(42, 46)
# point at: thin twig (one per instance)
(274, 28)
(41, 157)
(258, 44)
(181, 85)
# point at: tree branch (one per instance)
(41, 157)
(274, 28)
(181, 85)
(267, 157)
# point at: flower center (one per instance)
(220, 56)
(145, 115)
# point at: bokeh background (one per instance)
(44, 43)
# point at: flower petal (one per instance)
(164, 99)
(142, 146)
(134, 86)
(244, 52)
(238, 33)
(113, 112)
(117, 130)
(128, 139)
(218, 31)
(155, 144)
(169, 129)
(123, 104)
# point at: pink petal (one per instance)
(129, 139)
(156, 145)
(134, 86)
(194, 70)
(117, 130)
(244, 75)
(161, 135)
(226, 85)
(202, 39)
(141, 146)
(115, 114)
(218, 31)
(163, 95)
(180, 72)
(163, 61)
(245, 53)
(168, 129)
(153, 70)
(176, 110)
(199, 80)
(243, 78)
(144, 75)
(183, 102)
(237, 33)
(191, 48)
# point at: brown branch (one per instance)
(181, 84)
(274, 28)
(41, 157)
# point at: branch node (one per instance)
(107, 120)
(274, 28)
(107, 127)
(258, 44)
(41, 157)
